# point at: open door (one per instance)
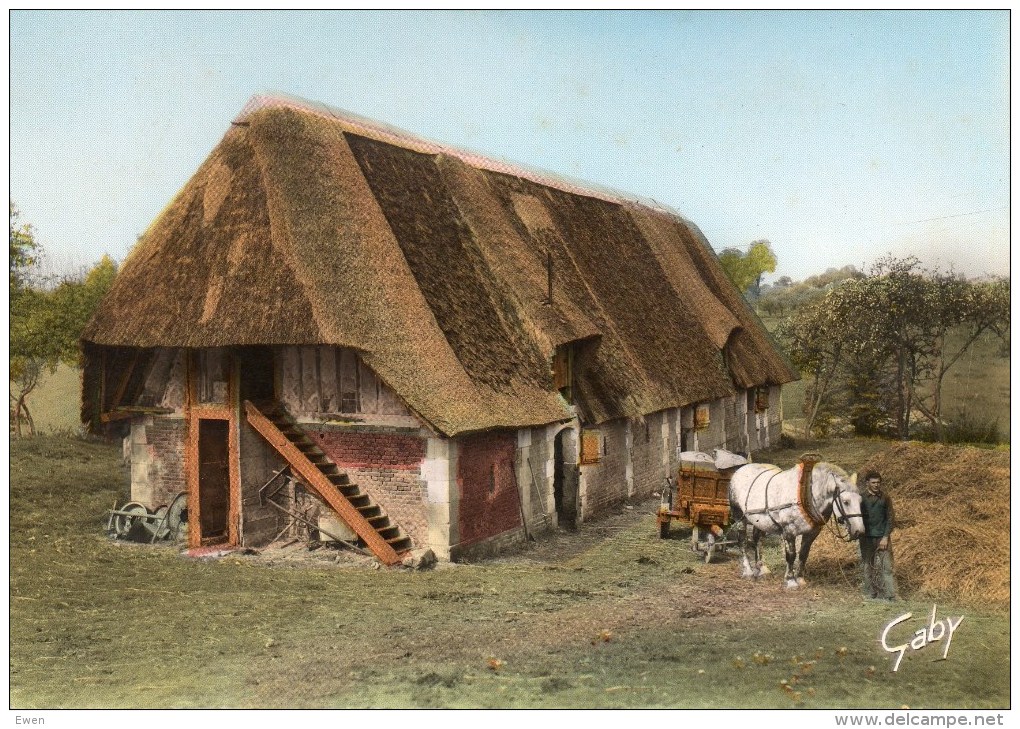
(565, 477)
(213, 480)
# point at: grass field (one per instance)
(55, 404)
(611, 616)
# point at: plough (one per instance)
(163, 523)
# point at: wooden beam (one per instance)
(109, 417)
(322, 486)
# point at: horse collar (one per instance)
(805, 495)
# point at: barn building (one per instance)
(439, 349)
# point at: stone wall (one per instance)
(535, 475)
(605, 483)
(650, 453)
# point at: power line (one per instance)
(947, 217)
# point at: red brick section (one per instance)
(388, 467)
(317, 482)
(489, 504)
(390, 451)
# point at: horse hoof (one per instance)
(764, 570)
(792, 585)
(801, 581)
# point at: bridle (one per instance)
(840, 516)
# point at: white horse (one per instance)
(773, 501)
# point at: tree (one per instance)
(968, 309)
(876, 346)
(24, 250)
(746, 270)
(45, 324)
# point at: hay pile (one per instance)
(952, 524)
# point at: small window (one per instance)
(761, 399)
(702, 417)
(589, 446)
(563, 375)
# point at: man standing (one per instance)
(876, 548)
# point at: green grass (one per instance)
(978, 386)
(99, 623)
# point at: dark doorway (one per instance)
(213, 479)
(565, 477)
(255, 365)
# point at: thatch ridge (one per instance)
(305, 228)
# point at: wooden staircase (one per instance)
(384, 539)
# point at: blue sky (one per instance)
(838, 136)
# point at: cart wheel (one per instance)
(161, 525)
(709, 547)
(177, 515)
(664, 529)
(124, 523)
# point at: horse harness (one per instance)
(805, 499)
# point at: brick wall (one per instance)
(490, 547)
(167, 442)
(605, 482)
(389, 451)
(388, 467)
(489, 504)
(157, 460)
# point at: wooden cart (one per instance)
(699, 496)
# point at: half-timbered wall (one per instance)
(335, 381)
(369, 433)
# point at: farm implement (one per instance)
(134, 521)
(699, 497)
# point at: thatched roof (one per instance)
(309, 226)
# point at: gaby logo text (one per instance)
(923, 637)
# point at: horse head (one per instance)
(840, 497)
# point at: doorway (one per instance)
(213, 480)
(257, 373)
(565, 477)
